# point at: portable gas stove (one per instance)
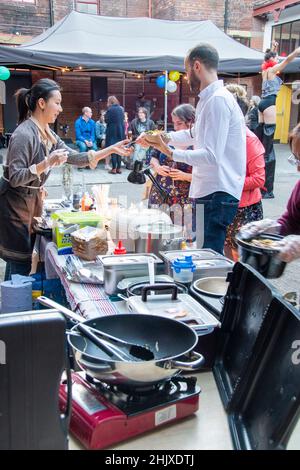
(104, 414)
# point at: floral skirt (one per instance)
(244, 216)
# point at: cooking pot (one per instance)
(158, 236)
(171, 342)
(264, 260)
(211, 286)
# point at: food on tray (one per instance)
(155, 132)
(152, 136)
(266, 243)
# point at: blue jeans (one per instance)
(219, 210)
(115, 161)
(84, 148)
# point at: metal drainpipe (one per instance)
(51, 10)
(226, 15)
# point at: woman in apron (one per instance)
(33, 150)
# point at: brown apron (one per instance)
(18, 207)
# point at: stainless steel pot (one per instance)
(172, 343)
(265, 260)
(158, 236)
(211, 286)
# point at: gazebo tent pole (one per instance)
(166, 101)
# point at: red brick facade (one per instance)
(31, 20)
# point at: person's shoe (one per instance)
(268, 196)
(107, 167)
(119, 171)
(113, 171)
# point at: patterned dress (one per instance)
(180, 207)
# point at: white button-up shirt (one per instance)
(219, 140)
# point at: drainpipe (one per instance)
(150, 9)
(51, 10)
(226, 15)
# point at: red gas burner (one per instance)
(103, 415)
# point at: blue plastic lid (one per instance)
(183, 263)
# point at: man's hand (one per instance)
(291, 248)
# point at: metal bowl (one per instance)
(211, 286)
(264, 260)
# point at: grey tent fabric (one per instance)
(139, 44)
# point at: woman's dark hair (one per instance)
(27, 98)
(269, 54)
(294, 134)
(185, 112)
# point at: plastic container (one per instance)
(120, 249)
(183, 269)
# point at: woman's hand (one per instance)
(57, 158)
(178, 175)
(162, 170)
(121, 148)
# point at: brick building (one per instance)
(22, 19)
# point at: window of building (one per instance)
(88, 6)
(243, 40)
(288, 36)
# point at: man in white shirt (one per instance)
(219, 155)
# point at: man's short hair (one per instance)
(206, 54)
(85, 109)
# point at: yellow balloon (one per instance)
(174, 75)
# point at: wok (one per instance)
(172, 343)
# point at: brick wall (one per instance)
(27, 19)
(61, 8)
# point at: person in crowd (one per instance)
(85, 131)
(33, 150)
(250, 206)
(252, 119)
(138, 126)
(143, 102)
(219, 155)
(100, 130)
(175, 177)
(126, 124)
(115, 130)
(271, 84)
(288, 223)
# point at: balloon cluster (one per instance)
(4, 73)
(171, 84)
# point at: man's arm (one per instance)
(181, 139)
(215, 133)
(79, 136)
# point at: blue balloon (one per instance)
(160, 81)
